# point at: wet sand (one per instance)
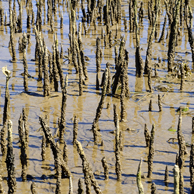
(84, 107)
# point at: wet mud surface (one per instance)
(84, 107)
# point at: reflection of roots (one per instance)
(172, 140)
(29, 76)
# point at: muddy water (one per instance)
(84, 107)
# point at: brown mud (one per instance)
(84, 108)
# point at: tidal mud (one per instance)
(55, 54)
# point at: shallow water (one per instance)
(84, 107)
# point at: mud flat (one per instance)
(97, 122)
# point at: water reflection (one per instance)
(29, 48)
(13, 108)
(138, 84)
(50, 37)
(118, 188)
(14, 69)
(94, 153)
(192, 138)
(159, 120)
(80, 107)
(172, 112)
(0, 105)
(13, 87)
(44, 11)
(186, 41)
(61, 32)
(106, 188)
(46, 109)
(55, 19)
(75, 156)
(55, 115)
(75, 104)
(102, 148)
(70, 69)
(131, 40)
(39, 86)
(151, 118)
(146, 83)
(107, 106)
(6, 29)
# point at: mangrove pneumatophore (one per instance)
(138, 178)
(99, 108)
(55, 149)
(117, 151)
(11, 180)
(88, 173)
(6, 110)
(105, 166)
(151, 152)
